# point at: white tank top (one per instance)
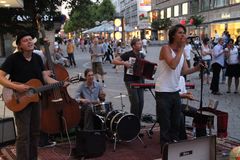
(168, 79)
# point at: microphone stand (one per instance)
(201, 73)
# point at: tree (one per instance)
(85, 13)
(25, 18)
(106, 11)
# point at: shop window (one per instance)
(169, 12)
(234, 1)
(184, 8)
(162, 14)
(176, 10)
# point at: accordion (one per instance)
(144, 68)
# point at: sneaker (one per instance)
(48, 145)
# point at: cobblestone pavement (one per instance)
(228, 102)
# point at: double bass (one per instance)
(59, 111)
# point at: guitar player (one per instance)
(22, 67)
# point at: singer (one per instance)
(171, 65)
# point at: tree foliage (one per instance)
(85, 13)
(27, 15)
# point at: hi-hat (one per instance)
(121, 96)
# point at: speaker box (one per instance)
(7, 131)
(202, 148)
(90, 143)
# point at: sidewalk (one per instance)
(115, 86)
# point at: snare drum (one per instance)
(103, 108)
(126, 126)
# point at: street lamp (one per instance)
(119, 28)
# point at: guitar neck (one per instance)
(49, 86)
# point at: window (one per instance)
(234, 1)
(205, 5)
(162, 14)
(169, 12)
(184, 8)
(220, 3)
(176, 10)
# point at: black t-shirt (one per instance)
(21, 70)
(125, 57)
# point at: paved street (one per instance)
(115, 87)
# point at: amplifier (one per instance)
(202, 148)
(90, 143)
(7, 131)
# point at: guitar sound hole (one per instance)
(31, 91)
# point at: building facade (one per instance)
(135, 13)
(218, 15)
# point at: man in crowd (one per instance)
(96, 52)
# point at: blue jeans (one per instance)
(136, 98)
(168, 115)
(28, 132)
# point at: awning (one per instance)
(106, 27)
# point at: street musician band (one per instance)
(171, 65)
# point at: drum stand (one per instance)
(115, 134)
(115, 141)
(122, 105)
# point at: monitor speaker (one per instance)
(202, 148)
(7, 131)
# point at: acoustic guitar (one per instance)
(16, 101)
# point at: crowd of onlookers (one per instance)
(221, 54)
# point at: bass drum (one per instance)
(125, 126)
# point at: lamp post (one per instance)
(119, 28)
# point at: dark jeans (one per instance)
(136, 98)
(216, 68)
(28, 130)
(168, 115)
(186, 111)
(71, 59)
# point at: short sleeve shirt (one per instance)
(88, 93)
(21, 70)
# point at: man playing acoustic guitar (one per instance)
(22, 67)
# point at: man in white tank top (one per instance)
(171, 65)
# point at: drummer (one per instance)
(89, 94)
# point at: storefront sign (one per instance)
(225, 15)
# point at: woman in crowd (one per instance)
(233, 66)
(206, 56)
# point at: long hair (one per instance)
(173, 31)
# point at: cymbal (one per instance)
(121, 96)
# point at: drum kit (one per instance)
(119, 125)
